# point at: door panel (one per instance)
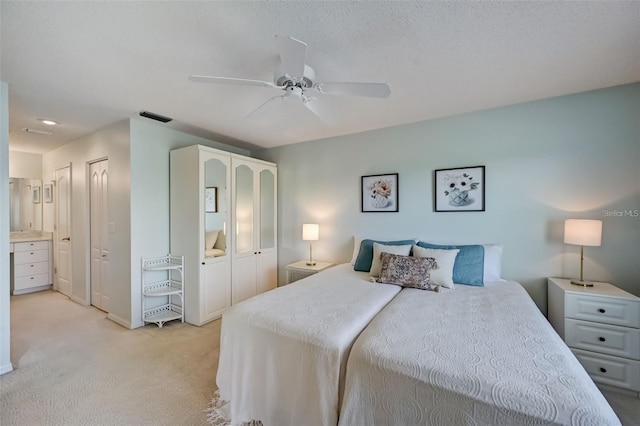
(99, 217)
(62, 231)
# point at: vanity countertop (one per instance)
(25, 236)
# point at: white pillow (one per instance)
(443, 274)
(221, 241)
(356, 249)
(492, 262)
(210, 239)
(376, 264)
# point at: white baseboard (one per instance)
(78, 300)
(119, 321)
(6, 369)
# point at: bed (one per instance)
(468, 356)
(336, 348)
(283, 353)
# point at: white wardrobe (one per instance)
(224, 223)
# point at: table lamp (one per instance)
(310, 232)
(582, 233)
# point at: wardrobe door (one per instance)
(244, 247)
(267, 258)
(215, 270)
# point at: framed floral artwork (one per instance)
(211, 200)
(379, 193)
(35, 194)
(47, 193)
(459, 190)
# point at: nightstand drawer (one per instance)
(603, 338)
(608, 310)
(624, 373)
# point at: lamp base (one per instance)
(582, 283)
(312, 263)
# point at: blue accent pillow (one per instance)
(365, 256)
(469, 265)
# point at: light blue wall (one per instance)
(546, 161)
(150, 146)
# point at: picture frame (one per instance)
(379, 193)
(35, 194)
(460, 189)
(211, 199)
(47, 193)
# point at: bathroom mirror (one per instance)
(25, 204)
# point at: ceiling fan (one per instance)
(297, 80)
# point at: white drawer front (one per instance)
(603, 338)
(30, 256)
(608, 310)
(31, 245)
(609, 370)
(22, 283)
(28, 269)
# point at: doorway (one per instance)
(62, 231)
(99, 233)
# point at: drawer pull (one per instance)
(602, 311)
(602, 339)
(31, 278)
(603, 370)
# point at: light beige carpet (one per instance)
(75, 367)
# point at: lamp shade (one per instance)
(310, 232)
(583, 232)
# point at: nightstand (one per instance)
(601, 326)
(299, 270)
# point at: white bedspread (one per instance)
(283, 353)
(468, 356)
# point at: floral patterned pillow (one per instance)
(408, 271)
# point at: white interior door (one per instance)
(99, 217)
(62, 231)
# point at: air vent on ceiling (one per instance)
(156, 117)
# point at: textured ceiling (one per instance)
(89, 64)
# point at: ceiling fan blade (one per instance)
(229, 80)
(320, 110)
(267, 106)
(293, 53)
(371, 90)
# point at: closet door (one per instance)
(255, 253)
(267, 259)
(244, 248)
(215, 269)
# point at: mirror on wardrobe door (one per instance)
(215, 208)
(267, 209)
(244, 209)
(25, 204)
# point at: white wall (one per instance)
(111, 142)
(150, 146)
(546, 161)
(5, 336)
(138, 154)
(25, 165)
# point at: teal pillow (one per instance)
(469, 265)
(365, 255)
